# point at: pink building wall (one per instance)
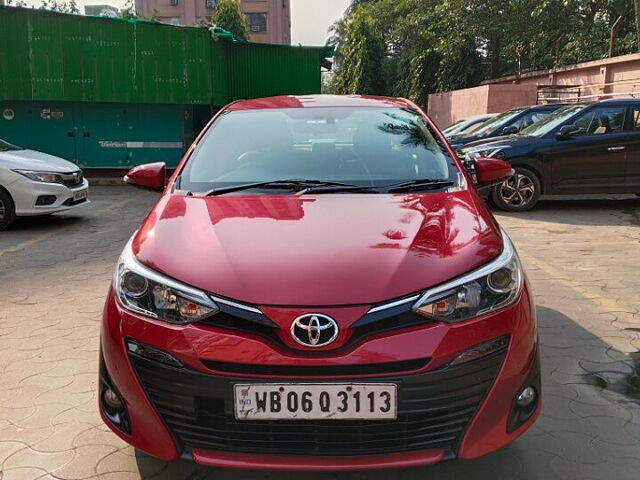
(192, 12)
(609, 78)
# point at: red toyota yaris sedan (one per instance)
(319, 287)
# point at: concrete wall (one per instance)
(608, 78)
(446, 108)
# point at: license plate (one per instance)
(314, 401)
(80, 194)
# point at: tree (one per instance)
(129, 10)
(229, 16)
(62, 7)
(436, 45)
(362, 52)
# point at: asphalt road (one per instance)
(582, 256)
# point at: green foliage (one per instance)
(229, 16)
(129, 10)
(63, 7)
(362, 54)
(439, 45)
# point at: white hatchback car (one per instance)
(36, 183)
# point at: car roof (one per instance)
(618, 101)
(316, 101)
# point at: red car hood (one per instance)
(332, 249)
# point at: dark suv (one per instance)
(509, 122)
(581, 148)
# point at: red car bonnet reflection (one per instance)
(317, 250)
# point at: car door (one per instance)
(633, 149)
(593, 160)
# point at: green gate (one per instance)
(101, 135)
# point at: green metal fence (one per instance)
(57, 57)
(113, 93)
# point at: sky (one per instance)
(310, 19)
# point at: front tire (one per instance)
(7, 210)
(519, 193)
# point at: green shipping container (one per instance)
(48, 56)
(102, 135)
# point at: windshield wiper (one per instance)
(337, 189)
(293, 183)
(420, 184)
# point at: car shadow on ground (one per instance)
(589, 427)
(579, 210)
(45, 222)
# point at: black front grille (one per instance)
(264, 328)
(71, 180)
(434, 408)
(317, 371)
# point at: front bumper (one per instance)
(25, 194)
(444, 412)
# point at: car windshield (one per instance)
(454, 127)
(373, 147)
(551, 121)
(6, 146)
(495, 122)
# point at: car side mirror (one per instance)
(491, 171)
(510, 130)
(151, 176)
(567, 131)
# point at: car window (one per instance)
(553, 120)
(529, 119)
(499, 120)
(363, 146)
(601, 120)
(635, 118)
(453, 127)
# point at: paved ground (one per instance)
(583, 258)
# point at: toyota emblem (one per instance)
(314, 330)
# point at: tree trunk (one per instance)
(637, 5)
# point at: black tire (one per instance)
(7, 210)
(519, 193)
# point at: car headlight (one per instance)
(147, 292)
(498, 153)
(488, 288)
(36, 176)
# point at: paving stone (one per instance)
(577, 258)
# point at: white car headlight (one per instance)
(36, 176)
(147, 292)
(488, 288)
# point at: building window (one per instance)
(210, 4)
(257, 22)
(173, 3)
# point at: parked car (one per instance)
(582, 148)
(509, 122)
(466, 125)
(319, 287)
(35, 183)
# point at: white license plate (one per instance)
(80, 194)
(315, 401)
